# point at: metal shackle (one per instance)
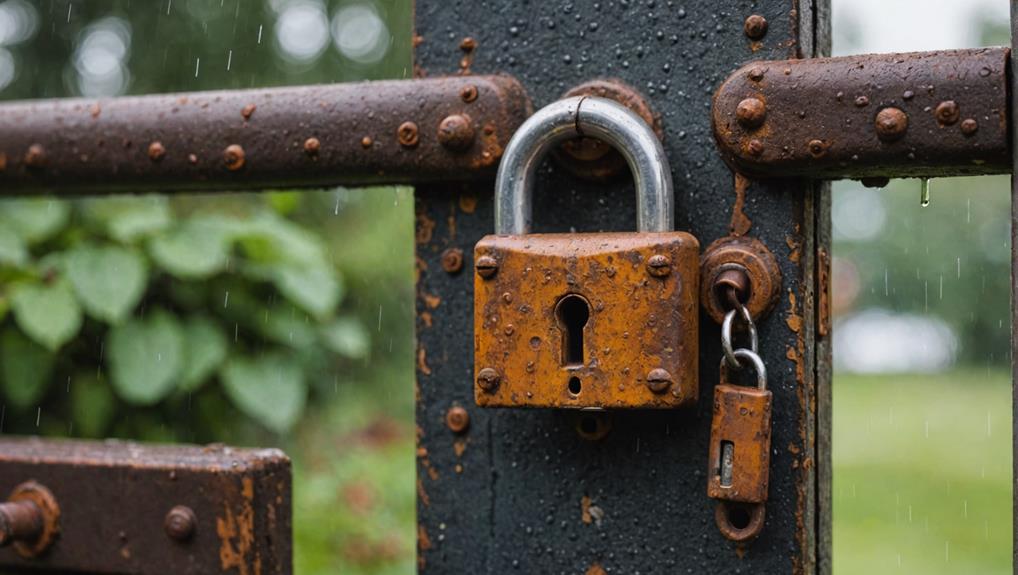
(583, 116)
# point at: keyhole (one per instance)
(572, 312)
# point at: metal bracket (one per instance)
(873, 116)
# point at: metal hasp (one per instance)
(390, 132)
(871, 116)
(137, 509)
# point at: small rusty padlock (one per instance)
(740, 450)
(589, 320)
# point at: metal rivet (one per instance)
(180, 523)
(366, 142)
(456, 132)
(755, 147)
(756, 74)
(891, 124)
(247, 111)
(486, 266)
(659, 265)
(156, 151)
(947, 112)
(452, 260)
(35, 157)
(233, 157)
(969, 126)
(457, 419)
(751, 112)
(755, 27)
(817, 148)
(659, 380)
(312, 146)
(468, 93)
(488, 379)
(862, 102)
(407, 134)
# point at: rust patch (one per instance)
(430, 300)
(236, 534)
(426, 319)
(794, 249)
(459, 446)
(585, 510)
(468, 203)
(824, 289)
(740, 224)
(423, 544)
(422, 361)
(425, 228)
(523, 345)
(596, 569)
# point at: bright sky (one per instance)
(912, 25)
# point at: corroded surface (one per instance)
(642, 318)
(114, 498)
(891, 115)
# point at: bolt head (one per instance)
(947, 112)
(659, 380)
(156, 151)
(35, 157)
(755, 27)
(312, 146)
(486, 266)
(468, 93)
(180, 523)
(457, 419)
(751, 113)
(756, 73)
(659, 265)
(817, 148)
(891, 124)
(488, 379)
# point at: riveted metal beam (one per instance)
(391, 132)
(869, 116)
(146, 510)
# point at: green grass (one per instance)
(922, 474)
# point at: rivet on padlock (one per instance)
(586, 320)
(740, 450)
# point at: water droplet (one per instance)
(924, 192)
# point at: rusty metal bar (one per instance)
(147, 510)
(451, 128)
(869, 116)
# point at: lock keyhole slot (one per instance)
(572, 312)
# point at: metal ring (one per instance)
(755, 523)
(726, 335)
(584, 116)
(753, 358)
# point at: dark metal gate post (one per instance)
(524, 489)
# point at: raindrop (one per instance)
(924, 192)
(260, 26)
(229, 61)
(197, 66)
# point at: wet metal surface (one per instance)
(124, 507)
(893, 115)
(390, 132)
(552, 490)
(635, 345)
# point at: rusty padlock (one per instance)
(589, 320)
(740, 450)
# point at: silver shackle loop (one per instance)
(586, 116)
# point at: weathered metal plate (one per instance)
(114, 498)
(742, 416)
(638, 319)
(819, 117)
(359, 133)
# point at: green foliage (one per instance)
(146, 293)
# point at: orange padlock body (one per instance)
(641, 318)
(742, 416)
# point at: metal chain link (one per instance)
(726, 335)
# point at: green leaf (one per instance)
(192, 251)
(205, 348)
(92, 405)
(146, 357)
(13, 252)
(109, 280)
(269, 238)
(49, 314)
(27, 369)
(347, 337)
(129, 218)
(270, 389)
(317, 290)
(287, 326)
(34, 220)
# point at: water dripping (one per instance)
(924, 192)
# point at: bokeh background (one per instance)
(286, 318)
